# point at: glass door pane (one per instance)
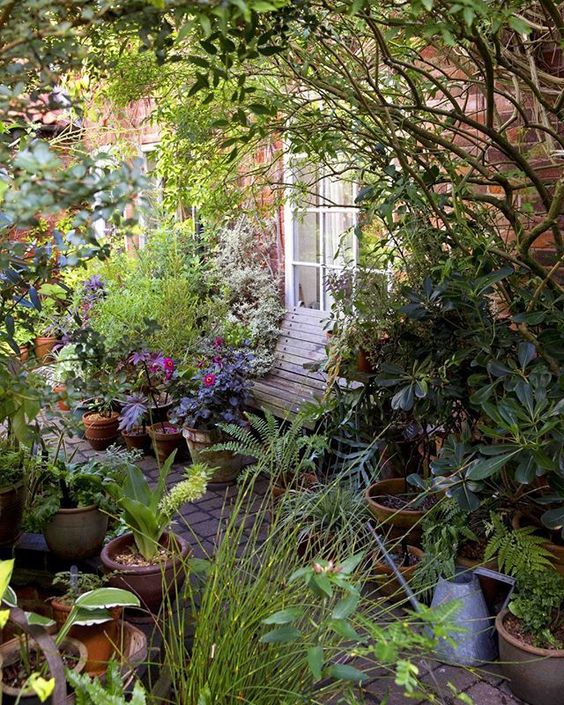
(307, 241)
(306, 286)
(338, 249)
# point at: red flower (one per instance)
(209, 379)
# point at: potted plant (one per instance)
(13, 465)
(70, 503)
(100, 638)
(222, 388)
(25, 667)
(52, 323)
(330, 520)
(531, 637)
(407, 559)
(287, 456)
(148, 560)
(144, 412)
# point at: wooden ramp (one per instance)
(302, 342)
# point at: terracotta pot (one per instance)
(305, 481)
(139, 440)
(363, 364)
(101, 431)
(400, 521)
(74, 534)
(519, 520)
(150, 583)
(164, 443)
(24, 352)
(534, 675)
(387, 581)
(12, 502)
(100, 640)
(10, 654)
(227, 465)
(43, 347)
(61, 403)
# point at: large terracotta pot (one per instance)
(101, 431)
(10, 654)
(12, 501)
(74, 534)
(385, 577)
(534, 675)
(43, 347)
(399, 521)
(227, 465)
(150, 583)
(166, 439)
(100, 640)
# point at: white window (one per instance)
(150, 199)
(319, 234)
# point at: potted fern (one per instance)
(149, 559)
(531, 629)
(287, 456)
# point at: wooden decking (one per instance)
(290, 382)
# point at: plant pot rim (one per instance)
(14, 645)
(153, 429)
(381, 484)
(414, 550)
(518, 644)
(4, 489)
(127, 539)
(106, 419)
(46, 337)
(77, 510)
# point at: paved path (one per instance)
(485, 686)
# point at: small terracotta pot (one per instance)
(74, 534)
(227, 465)
(363, 364)
(100, 640)
(150, 583)
(61, 390)
(24, 352)
(10, 654)
(400, 521)
(386, 579)
(304, 481)
(137, 441)
(101, 431)
(43, 347)
(164, 443)
(535, 675)
(12, 502)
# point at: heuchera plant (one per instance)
(156, 371)
(222, 389)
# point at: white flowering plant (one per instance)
(147, 512)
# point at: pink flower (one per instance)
(209, 379)
(168, 366)
(202, 363)
(218, 342)
(217, 359)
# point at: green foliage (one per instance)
(537, 603)
(280, 453)
(148, 512)
(75, 584)
(519, 552)
(90, 691)
(13, 463)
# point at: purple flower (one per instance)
(218, 342)
(133, 411)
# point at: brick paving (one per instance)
(484, 685)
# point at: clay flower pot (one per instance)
(12, 501)
(149, 582)
(61, 403)
(99, 430)
(304, 481)
(137, 439)
(535, 675)
(398, 520)
(384, 576)
(100, 640)
(227, 465)
(24, 352)
(74, 534)
(363, 364)
(43, 347)
(10, 654)
(166, 439)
